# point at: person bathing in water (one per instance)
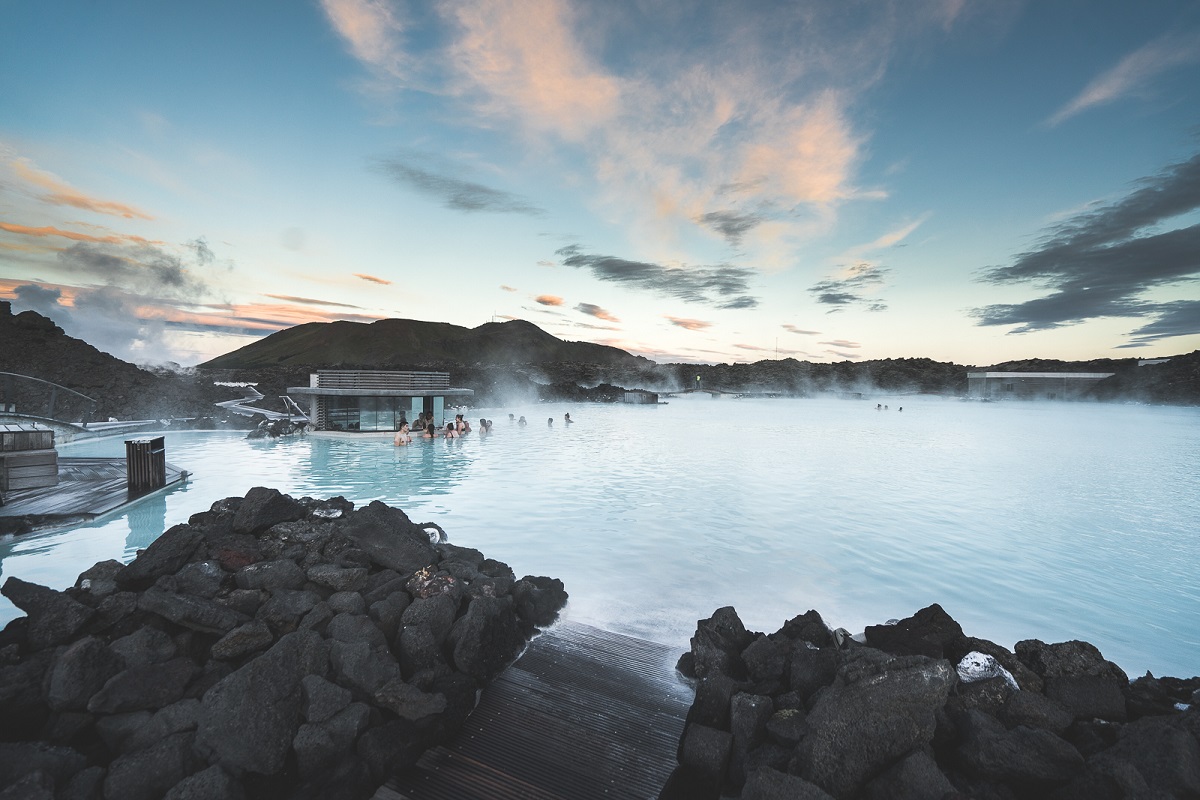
(402, 436)
(450, 432)
(430, 432)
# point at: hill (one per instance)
(398, 342)
(1174, 382)
(35, 346)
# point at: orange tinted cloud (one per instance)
(50, 230)
(688, 324)
(526, 58)
(371, 29)
(63, 194)
(507, 288)
(549, 300)
(372, 279)
(308, 301)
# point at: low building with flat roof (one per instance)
(372, 400)
(1031, 385)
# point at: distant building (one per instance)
(1146, 362)
(1031, 385)
(367, 400)
(641, 398)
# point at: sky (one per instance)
(713, 182)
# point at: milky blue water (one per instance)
(1023, 520)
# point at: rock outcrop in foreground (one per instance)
(919, 710)
(271, 647)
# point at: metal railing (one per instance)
(36, 397)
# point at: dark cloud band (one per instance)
(1101, 263)
(851, 290)
(723, 286)
(456, 194)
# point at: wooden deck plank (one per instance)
(584, 713)
(87, 488)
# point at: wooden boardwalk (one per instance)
(87, 488)
(584, 713)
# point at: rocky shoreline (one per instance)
(917, 709)
(271, 647)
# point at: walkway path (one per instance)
(584, 713)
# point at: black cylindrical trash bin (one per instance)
(146, 464)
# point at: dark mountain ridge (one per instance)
(407, 341)
(32, 345)
(511, 362)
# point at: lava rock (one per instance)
(926, 633)
(144, 686)
(389, 537)
(79, 672)
(263, 508)
(53, 616)
(718, 643)
(249, 719)
(164, 556)
(871, 715)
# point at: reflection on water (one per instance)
(1023, 520)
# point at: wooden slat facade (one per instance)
(584, 713)
(379, 379)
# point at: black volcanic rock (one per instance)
(169, 688)
(853, 721)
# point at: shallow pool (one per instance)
(1024, 520)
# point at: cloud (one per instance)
(38, 298)
(372, 29)
(688, 324)
(372, 279)
(525, 61)
(741, 117)
(546, 264)
(141, 269)
(853, 288)
(105, 317)
(1177, 318)
(1104, 261)
(549, 300)
(507, 288)
(61, 193)
(723, 286)
(456, 194)
(843, 355)
(126, 291)
(1133, 72)
(841, 343)
(50, 230)
(730, 224)
(308, 301)
(794, 329)
(595, 327)
(750, 347)
(596, 311)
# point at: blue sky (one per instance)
(971, 182)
